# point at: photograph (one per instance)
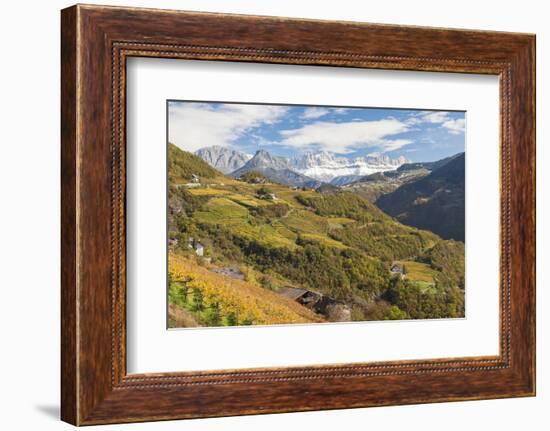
(299, 214)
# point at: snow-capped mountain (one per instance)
(313, 159)
(325, 166)
(223, 159)
(321, 166)
(277, 169)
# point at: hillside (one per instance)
(434, 202)
(337, 245)
(429, 166)
(373, 186)
(183, 165)
(211, 298)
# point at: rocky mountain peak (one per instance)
(265, 159)
(224, 159)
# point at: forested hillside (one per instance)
(237, 245)
(434, 202)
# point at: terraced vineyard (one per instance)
(272, 238)
(219, 300)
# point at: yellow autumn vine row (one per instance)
(238, 297)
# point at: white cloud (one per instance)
(456, 127)
(346, 136)
(435, 117)
(313, 113)
(340, 110)
(441, 118)
(259, 140)
(197, 125)
(395, 144)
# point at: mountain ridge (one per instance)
(375, 185)
(224, 159)
(328, 167)
(277, 169)
(435, 202)
(321, 165)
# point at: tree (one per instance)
(395, 313)
(177, 292)
(213, 315)
(232, 320)
(198, 301)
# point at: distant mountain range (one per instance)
(375, 185)
(277, 169)
(430, 166)
(321, 166)
(435, 201)
(327, 167)
(223, 159)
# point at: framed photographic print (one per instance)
(283, 214)
(322, 214)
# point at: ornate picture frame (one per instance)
(96, 41)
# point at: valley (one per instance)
(260, 239)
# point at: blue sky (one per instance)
(419, 135)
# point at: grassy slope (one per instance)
(417, 271)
